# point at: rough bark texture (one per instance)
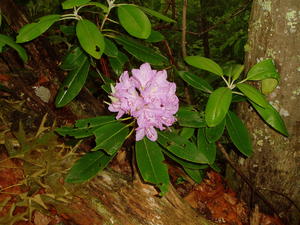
(273, 169)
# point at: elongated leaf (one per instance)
(6, 40)
(189, 117)
(209, 150)
(196, 175)
(238, 98)
(238, 134)
(73, 59)
(72, 84)
(88, 166)
(217, 106)
(1, 46)
(253, 94)
(184, 163)
(90, 38)
(271, 117)
(33, 30)
(204, 63)
(157, 15)
(155, 36)
(85, 127)
(187, 132)
(262, 70)
(117, 63)
(134, 21)
(68, 30)
(181, 147)
(110, 48)
(150, 159)
(99, 5)
(110, 137)
(69, 4)
(214, 133)
(268, 85)
(141, 52)
(233, 70)
(196, 81)
(265, 70)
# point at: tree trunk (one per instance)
(274, 32)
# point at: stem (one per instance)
(183, 34)
(130, 133)
(226, 82)
(245, 178)
(110, 6)
(238, 93)
(70, 18)
(100, 75)
(242, 81)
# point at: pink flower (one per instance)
(148, 97)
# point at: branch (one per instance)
(247, 181)
(183, 35)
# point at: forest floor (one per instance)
(33, 191)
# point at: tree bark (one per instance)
(274, 32)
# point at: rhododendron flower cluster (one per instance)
(147, 96)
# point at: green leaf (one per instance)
(184, 163)
(238, 134)
(110, 137)
(265, 70)
(262, 70)
(271, 117)
(73, 59)
(6, 40)
(217, 106)
(68, 30)
(85, 127)
(253, 94)
(155, 36)
(117, 63)
(72, 84)
(189, 117)
(1, 46)
(268, 85)
(157, 15)
(33, 30)
(204, 63)
(195, 81)
(238, 98)
(149, 160)
(187, 132)
(233, 70)
(181, 147)
(141, 52)
(69, 4)
(134, 21)
(209, 150)
(110, 48)
(90, 38)
(196, 175)
(214, 133)
(88, 166)
(99, 5)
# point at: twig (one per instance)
(237, 12)
(169, 52)
(183, 34)
(243, 176)
(283, 195)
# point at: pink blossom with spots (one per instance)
(147, 96)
